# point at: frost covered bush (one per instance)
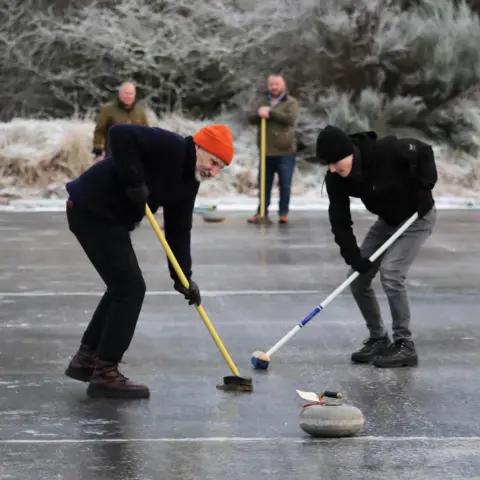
(37, 157)
(202, 56)
(404, 66)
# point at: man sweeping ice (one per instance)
(148, 165)
(394, 178)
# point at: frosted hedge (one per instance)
(389, 66)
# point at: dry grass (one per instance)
(458, 172)
(40, 156)
(35, 154)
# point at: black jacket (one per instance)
(392, 177)
(165, 162)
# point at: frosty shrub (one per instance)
(202, 55)
(37, 157)
(395, 66)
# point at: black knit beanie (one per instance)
(333, 144)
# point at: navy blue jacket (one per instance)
(165, 162)
(391, 177)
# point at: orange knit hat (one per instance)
(217, 140)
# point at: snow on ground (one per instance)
(238, 203)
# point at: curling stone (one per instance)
(322, 419)
(260, 360)
(209, 213)
(212, 217)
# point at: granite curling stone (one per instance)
(209, 213)
(212, 217)
(322, 419)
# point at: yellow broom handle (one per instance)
(263, 148)
(183, 279)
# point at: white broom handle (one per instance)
(379, 252)
(338, 290)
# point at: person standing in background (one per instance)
(281, 110)
(124, 109)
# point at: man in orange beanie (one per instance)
(106, 202)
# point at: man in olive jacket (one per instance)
(124, 109)
(280, 109)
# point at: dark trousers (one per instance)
(109, 249)
(284, 167)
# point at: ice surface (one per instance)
(421, 423)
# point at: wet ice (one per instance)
(420, 423)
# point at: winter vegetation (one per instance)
(406, 67)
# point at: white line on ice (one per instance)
(206, 293)
(234, 440)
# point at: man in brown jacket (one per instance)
(280, 109)
(123, 109)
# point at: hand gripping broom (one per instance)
(261, 360)
(235, 382)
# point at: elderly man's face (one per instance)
(276, 85)
(207, 165)
(127, 94)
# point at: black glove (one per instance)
(192, 294)
(424, 203)
(362, 265)
(138, 194)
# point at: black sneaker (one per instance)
(372, 347)
(400, 354)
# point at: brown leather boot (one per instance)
(257, 218)
(108, 382)
(82, 364)
(253, 218)
(283, 219)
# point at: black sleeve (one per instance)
(178, 220)
(421, 161)
(125, 141)
(153, 203)
(341, 220)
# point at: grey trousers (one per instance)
(393, 266)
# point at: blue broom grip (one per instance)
(316, 310)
